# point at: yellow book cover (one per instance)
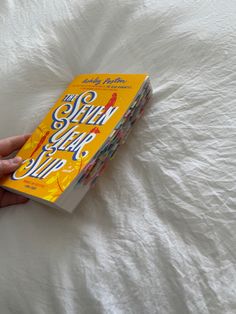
(72, 132)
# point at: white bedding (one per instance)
(158, 232)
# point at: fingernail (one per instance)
(16, 160)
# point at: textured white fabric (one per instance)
(158, 232)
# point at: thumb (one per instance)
(9, 165)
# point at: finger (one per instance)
(9, 165)
(9, 198)
(10, 144)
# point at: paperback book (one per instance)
(71, 147)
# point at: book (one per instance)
(73, 144)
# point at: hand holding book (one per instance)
(71, 147)
(7, 166)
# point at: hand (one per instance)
(7, 166)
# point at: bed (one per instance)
(157, 232)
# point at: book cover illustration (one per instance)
(78, 135)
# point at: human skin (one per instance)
(7, 166)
